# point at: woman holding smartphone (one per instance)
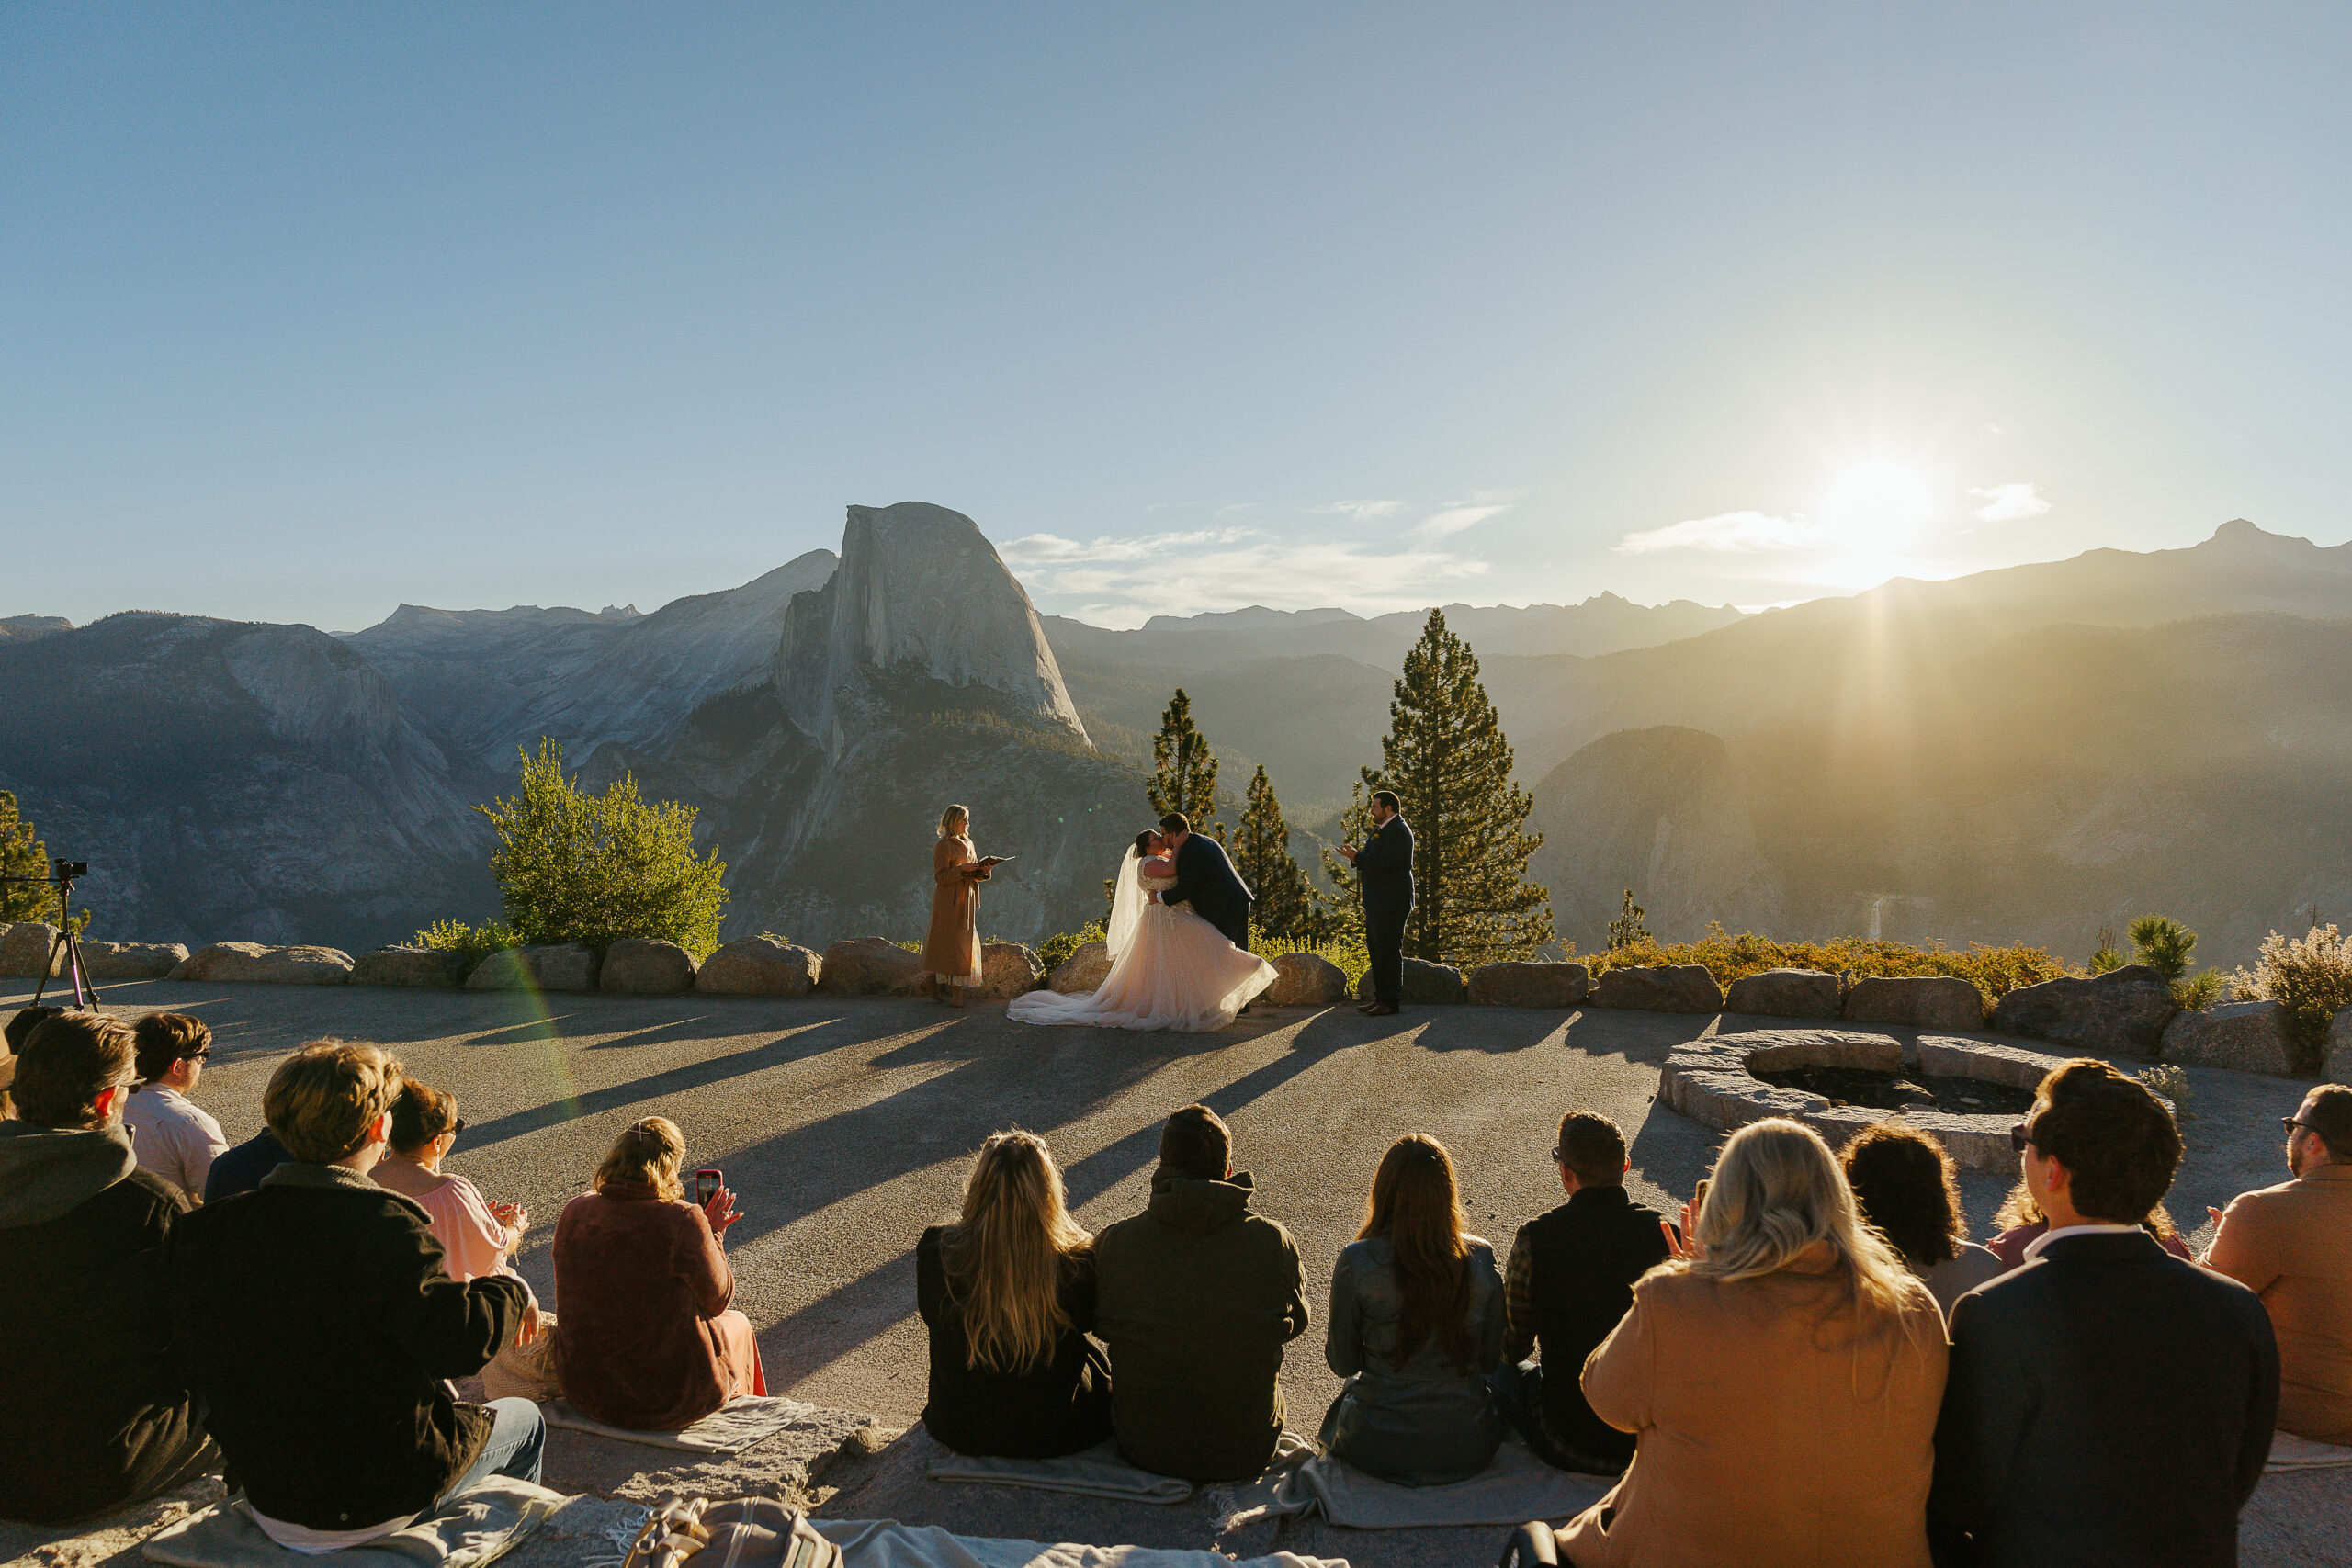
(649, 1341)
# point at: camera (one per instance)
(72, 870)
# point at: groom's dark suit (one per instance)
(1206, 880)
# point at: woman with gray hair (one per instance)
(1782, 1375)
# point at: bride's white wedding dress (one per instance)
(1170, 968)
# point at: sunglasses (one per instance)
(2020, 1138)
(203, 1056)
(457, 1126)
(2290, 1124)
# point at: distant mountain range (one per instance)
(2029, 753)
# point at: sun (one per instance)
(1874, 517)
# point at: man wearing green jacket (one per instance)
(1196, 1296)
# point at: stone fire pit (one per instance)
(1713, 1082)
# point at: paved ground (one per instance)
(847, 1126)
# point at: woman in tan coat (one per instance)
(951, 951)
(1783, 1379)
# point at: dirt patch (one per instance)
(1903, 1091)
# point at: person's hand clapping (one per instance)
(720, 1211)
(1684, 1248)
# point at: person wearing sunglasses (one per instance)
(477, 1237)
(2107, 1403)
(173, 1137)
(2292, 1244)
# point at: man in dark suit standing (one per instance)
(2107, 1404)
(1385, 871)
(1206, 880)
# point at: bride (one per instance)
(1170, 968)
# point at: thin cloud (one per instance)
(1729, 532)
(2009, 504)
(1047, 549)
(1361, 511)
(1468, 513)
(1123, 583)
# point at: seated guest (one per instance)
(477, 1238)
(1781, 1377)
(1908, 1188)
(1570, 1279)
(1007, 1294)
(2292, 1244)
(240, 1169)
(318, 1324)
(1196, 1296)
(171, 1136)
(1417, 1323)
(2022, 1223)
(649, 1342)
(2108, 1402)
(19, 1028)
(94, 1412)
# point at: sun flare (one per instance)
(1872, 518)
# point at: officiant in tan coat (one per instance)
(951, 951)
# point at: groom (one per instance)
(1205, 880)
(1385, 870)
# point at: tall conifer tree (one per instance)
(1446, 758)
(1183, 774)
(22, 855)
(1285, 906)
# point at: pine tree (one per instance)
(1626, 930)
(1447, 758)
(1284, 908)
(1184, 770)
(23, 855)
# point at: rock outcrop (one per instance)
(415, 968)
(131, 960)
(2123, 1011)
(1083, 971)
(1785, 993)
(1529, 984)
(256, 964)
(1424, 983)
(2248, 1036)
(869, 966)
(1007, 969)
(645, 967)
(1659, 987)
(564, 967)
(1306, 980)
(27, 947)
(759, 967)
(1916, 1001)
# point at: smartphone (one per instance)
(706, 1186)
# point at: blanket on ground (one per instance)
(887, 1544)
(2288, 1452)
(476, 1527)
(1098, 1471)
(1515, 1488)
(729, 1430)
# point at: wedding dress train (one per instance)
(1170, 969)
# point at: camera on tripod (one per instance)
(64, 874)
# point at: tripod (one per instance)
(68, 940)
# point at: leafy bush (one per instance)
(455, 936)
(580, 867)
(2197, 992)
(1347, 951)
(1057, 950)
(2106, 961)
(2172, 1082)
(2163, 944)
(2310, 977)
(1995, 971)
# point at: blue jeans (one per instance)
(513, 1447)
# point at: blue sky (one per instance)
(308, 309)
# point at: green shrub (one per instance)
(2163, 944)
(595, 868)
(1059, 950)
(2197, 992)
(2106, 961)
(2310, 977)
(455, 936)
(1995, 971)
(1348, 951)
(2170, 1081)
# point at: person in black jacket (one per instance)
(2107, 1404)
(317, 1322)
(1385, 871)
(1007, 1294)
(1569, 1281)
(94, 1412)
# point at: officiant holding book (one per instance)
(950, 950)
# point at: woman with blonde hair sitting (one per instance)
(477, 1237)
(1782, 1377)
(649, 1341)
(1417, 1323)
(1007, 1294)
